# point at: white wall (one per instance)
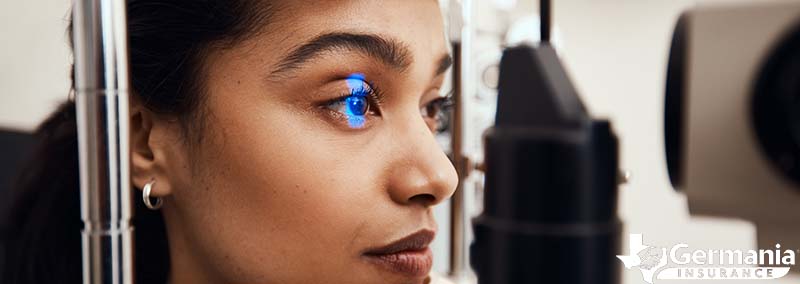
(34, 60)
(615, 50)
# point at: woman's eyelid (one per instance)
(350, 90)
(440, 98)
(358, 85)
(440, 103)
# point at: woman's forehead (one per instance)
(416, 24)
(404, 37)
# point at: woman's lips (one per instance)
(410, 255)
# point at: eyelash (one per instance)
(372, 100)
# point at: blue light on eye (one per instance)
(355, 105)
(355, 81)
(355, 108)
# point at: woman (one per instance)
(285, 142)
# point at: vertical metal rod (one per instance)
(459, 215)
(458, 245)
(545, 10)
(101, 100)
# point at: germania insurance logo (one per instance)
(682, 262)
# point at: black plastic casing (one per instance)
(550, 200)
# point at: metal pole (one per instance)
(459, 216)
(101, 87)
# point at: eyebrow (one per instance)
(444, 63)
(391, 52)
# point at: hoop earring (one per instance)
(146, 196)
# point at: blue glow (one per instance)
(355, 104)
(355, 81)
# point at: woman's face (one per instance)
(318, 150)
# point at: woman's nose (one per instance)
(421, 173)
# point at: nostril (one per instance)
(425, 199)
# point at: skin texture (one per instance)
(280, 189)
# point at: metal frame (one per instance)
(101, 99)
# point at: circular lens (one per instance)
(776, 107)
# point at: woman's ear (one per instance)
(149, 142)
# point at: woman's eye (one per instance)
(436, 113)
(351, 106)
(431, 110)
(355, 107)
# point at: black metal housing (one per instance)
(550, 201)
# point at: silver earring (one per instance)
(146, 196)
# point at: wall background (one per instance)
(615, 51)
(34, 62)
